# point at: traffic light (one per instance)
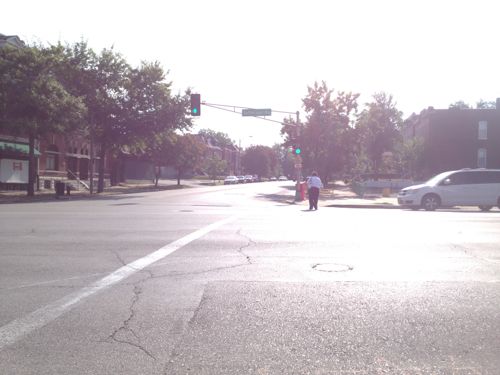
(296, 150)
(195, 105)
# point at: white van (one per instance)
(466, 187)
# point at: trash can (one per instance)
(60, 187)
(303, 190)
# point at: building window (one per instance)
(483, 130)
(52, 159)
(481, 158)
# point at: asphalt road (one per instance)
(234, 280)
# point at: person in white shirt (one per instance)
(314, 184)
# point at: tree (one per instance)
(323, 136)
(128, 107)
(460, 104)
(152, 114)
(379, 127)
(482, 104)
(188, 154)
(215, 167)
(99, 80)
(161, 152)
(285, 160)
(259, 160)
(409, 157)
(221, 139)
(33, 100)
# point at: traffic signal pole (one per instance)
(298, 165)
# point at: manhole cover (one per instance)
(332, 267)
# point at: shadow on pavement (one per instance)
(279, 198)
(112, 193)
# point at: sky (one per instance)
(266, 53)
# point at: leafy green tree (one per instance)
(215, 167)
(161, 152)
(460, 104)
(409, 155)
(482, 104)
(33, 101)
(323, 136)
(379, 127)
(285, 159)
(221, 139)
(128, 107)
(152, 114)
(259, 160)
(149, 106)
(109, 127)
(188, 154)
(100, 79)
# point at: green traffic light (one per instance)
(297, 151)
(195, 105)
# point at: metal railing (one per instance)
(84, 184)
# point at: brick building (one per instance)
(456, 138)
(58, 156)
(230, 153)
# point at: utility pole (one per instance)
(91, 182)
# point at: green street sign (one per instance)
(256, 112)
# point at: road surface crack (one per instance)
(122, 262)
(125, 334)
(248, 244)
(470, 252)
(174, 353)
(241, 250)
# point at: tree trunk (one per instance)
(179, 177)
(100, 183)
(157, 175)
(121, 173)
(115, 166)
(92, 160)
(31, 166)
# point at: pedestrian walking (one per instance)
(313, 185)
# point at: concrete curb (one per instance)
(386, 206)
(377, 206)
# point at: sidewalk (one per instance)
(48, 195)
(338, 196)
(341, 196)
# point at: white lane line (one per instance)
(55, 281)
(18, 328)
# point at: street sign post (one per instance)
(256, 112)
(298, 176)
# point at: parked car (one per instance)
(466, 187)
(229, 180)
(249, 178)
(241, 179)
(282, 178)
(272, 178)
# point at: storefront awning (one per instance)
(16, 147)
